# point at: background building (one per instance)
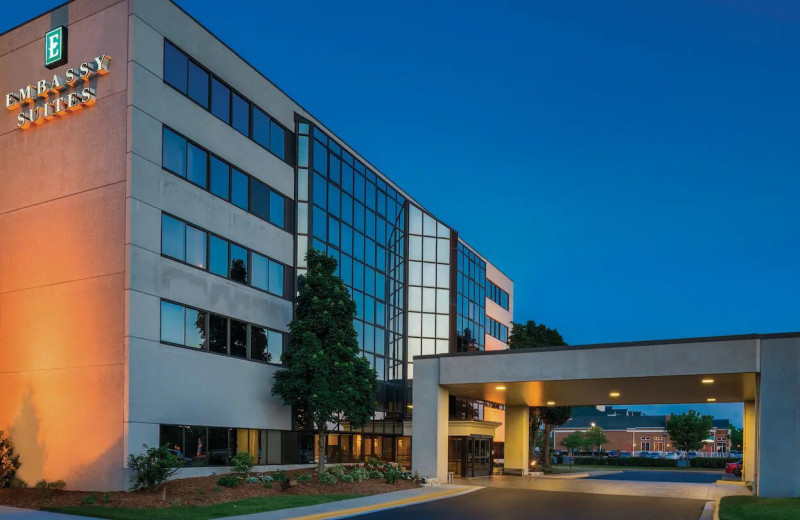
(151, 235)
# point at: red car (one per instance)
(734, 467)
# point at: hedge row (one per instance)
(632, 461)
(712, 462)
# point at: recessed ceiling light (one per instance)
(712, 399)
(614, 394)
(499, 388)
(409, 406)
(707, 381)
(550, 403)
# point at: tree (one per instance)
(325, 374)
(531, 335)
(9, 463)
(552, 416)
(736, 436)
(688, 430)
(595, 438)
(573, 441)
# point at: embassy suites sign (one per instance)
(49, 98)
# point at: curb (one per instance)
(355, 511)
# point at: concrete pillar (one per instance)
(429, 427)
(749, 446)
(516, 445)
(778, 415)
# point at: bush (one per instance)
(18, 483)
(252, 480)
(265, 478)
(347, 479)
(326, 478)
(91, 499)
(229, 481)
(9, 463)
(375, 474)
(712, 462)
(359, 474)
(242, 463)
(56, 484)
(106, 498)
(42, 484)
(337, 471)
(304, 477)
(644, 462)
(152, 468)
(280, 476)
(392, 474)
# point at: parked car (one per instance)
(654, 455)
(613, 454)
(692, 455)
(671, 455)
(624, 454)
(732, 467)
(644, 454)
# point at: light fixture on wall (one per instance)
(707, 381)
(712, 399)
(499, 388)
(614, 394)
(551, 403)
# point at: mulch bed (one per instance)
(197, 491)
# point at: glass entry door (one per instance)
(478, 456)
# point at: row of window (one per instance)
(204, 250)
(471, 300)
(497, 330)
(210, 92)
(496, 294)
(197, 165)
(203, 330)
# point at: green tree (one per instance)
(736, 435)
(573, 441)
(9, 463)
(533, 335)
(325, 374)
(552, 416)
(688, 430)
(595, 438)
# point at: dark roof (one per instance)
(623, 422)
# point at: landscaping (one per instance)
(218, 495)
(752, 508)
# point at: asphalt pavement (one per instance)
(694, 477)
(544, 505)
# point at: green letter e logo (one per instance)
(55, 47)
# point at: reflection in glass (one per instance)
(173, 237)
(259, 200)
(195, 329)
(238, 263)
(261, 127)
(239, 189)
(276, 278)
(198, 84)
(220, 100)
(275, 346)
(276, 208)
(196, 164)
(238, 338)
(195, 247)
(220, 178)
(240, 111)
(217, 334)
(175, 67)
(258, 344)
(172, 327)
(174, 152)
(218, 256)
(259, 272)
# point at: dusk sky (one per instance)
(632, 166)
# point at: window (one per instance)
(218, 256)
(239, 189)
(175, 67)
(173, 237)
(197, 166)
(497, 330)
(259, 199)
(220, 178)
(277, 139)
(174, 152)
(195, 247)
(496, 294)
(240, 114)
(190, 327)
(276, 278)
(220, 100)
(261, 123)
(276, 208)
(238, 263)
(198, 84)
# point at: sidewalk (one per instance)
(363, 505)
(13, 513)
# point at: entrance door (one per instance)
(478, 461)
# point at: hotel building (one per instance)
(158, 196)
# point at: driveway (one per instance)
(694, 477)
(544, 505)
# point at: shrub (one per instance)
(265, 478)
(359, 474)
(252, 480)
(106, 498)
(392, 474)
(91, 499)
(374, 461)
(18, 483)
(375, 474)
(304, 477)
(152, 468)
(712, 462)
(633, 461)
(56, 484)
(337, 471)
(267, 485)
(229, 481)
(347, 479)
(9, 463)
(326, 478)
(242, 463)
(42, 484)
(279, 476)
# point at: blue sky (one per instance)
(632, 166)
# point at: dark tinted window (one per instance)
(276, 208)
(174, 152)
(259, 199)
(261, 123)
(197, 165)
(258, 344)
(277, 140)
(238, 338)
(220, 178)
(198, 84)
(238, 264)
(220, 100)
(218, 256)
(217, 334)
(173, 241)
(240, 114)
(175, 67)
(239, 189)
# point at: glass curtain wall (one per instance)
(471, 300)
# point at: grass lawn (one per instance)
(240, 507)
(752, 508)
